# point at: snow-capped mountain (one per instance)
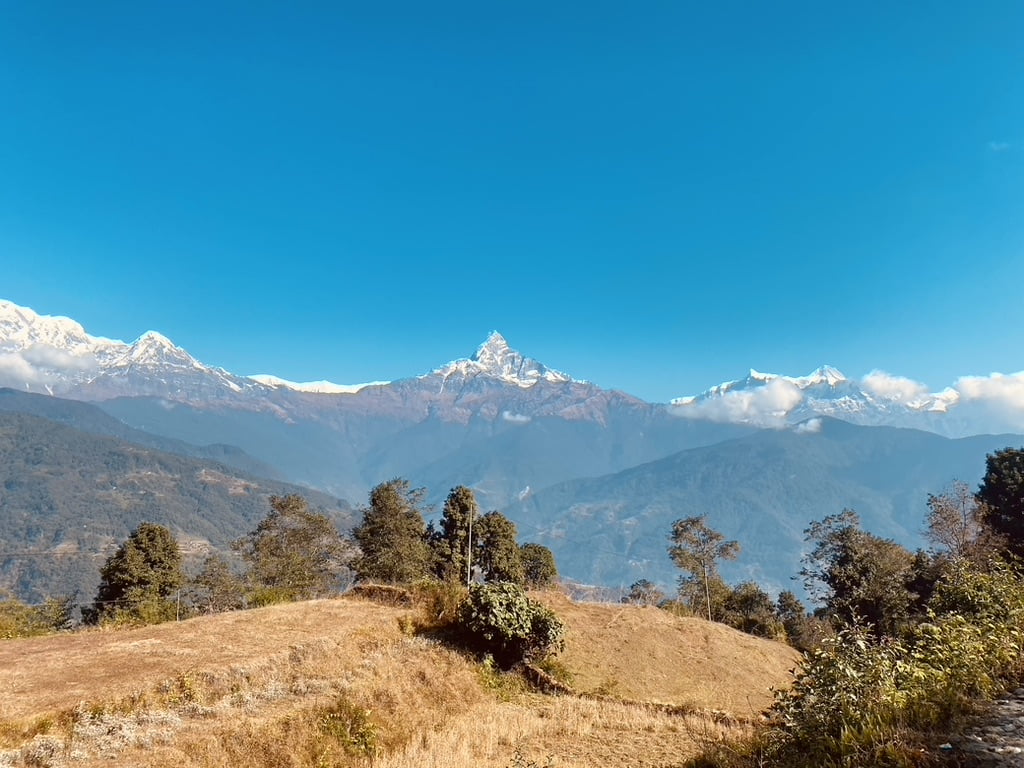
(54, 355)
(495, 359)
(877, 399)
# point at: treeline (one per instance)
(295, 553)
(903, 643)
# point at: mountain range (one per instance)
(596, 474)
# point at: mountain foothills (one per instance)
(597, 475)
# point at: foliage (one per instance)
(958, 524)
(1002, 493)
(392, 535)
(498, 554)
(500, 619)
(803, 631)
(697, 548)
(539, 566)
(293, 553)
(451, 544)
(749, 609)
(644, 592)
(857, 574)
(350, 725)
(18, 619)
(140, 581)
(216, 587)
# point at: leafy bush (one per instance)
(502, 620)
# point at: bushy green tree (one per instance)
(500, 619)
(497, 552)
(749, 609)
(294, 553)
(857, 575)
(539, 567)
(696, 548)
(141, 581)
(1002, 492)
(392, 536)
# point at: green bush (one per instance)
(502, 620)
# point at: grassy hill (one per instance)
(334, 682)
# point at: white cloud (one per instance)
(765, 406)
(890, 387)
(809, 427)
(52, 357)
(999, 146)
(1004, 390)
(16, 371)
(515, 418)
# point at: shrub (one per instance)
(502, 620)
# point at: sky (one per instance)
(652, 196)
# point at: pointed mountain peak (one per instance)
(825, 374)
(493, 345)
(496, 359)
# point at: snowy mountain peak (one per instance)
(494, 347)
(496, 359)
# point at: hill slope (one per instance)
(761, 490)
(250, 688)
(68, 497)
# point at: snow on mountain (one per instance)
(495, 359)
(315, 387)
(876, 399)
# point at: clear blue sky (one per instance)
(654, 196)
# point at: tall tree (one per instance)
(539, 565)
(958, 523)
(497, 549)
(452, 543)
(858, 575)
(1002, 491)
(141, 580)
(697, 548)
(294, 554)
(392, 535)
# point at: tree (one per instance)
(1002, 492)
(294, 554)
(452, 544)
(497, 551)
(392, 536)
(857, 575)
(216, 588)
(539, 566)
(749, 609)
(958, 524)
(644, 592)
(696, 548)
(502, 620)
(142, 579)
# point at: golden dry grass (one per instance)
(257, 688)
(647, 654)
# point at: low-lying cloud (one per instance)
(1004, 390)
(765, 406)
(898, 388)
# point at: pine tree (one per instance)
(498, 552)
(142, 579)
(451, 544)
(392, 535)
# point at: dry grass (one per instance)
(647, 654)
(339, 683)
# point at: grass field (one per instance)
(342, 683)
